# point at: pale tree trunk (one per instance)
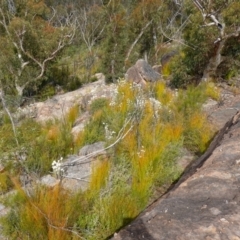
(17, 38)
(9, 115)
(211, 19)
(214, 62)
(19, 89)
(217, 58)
(136, 41)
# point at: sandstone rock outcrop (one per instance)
(141, 73)
(59, 105)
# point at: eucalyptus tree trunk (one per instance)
(210, 18)
(214, 62)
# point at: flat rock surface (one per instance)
(59, 105)
(220, 112)
(207, 204)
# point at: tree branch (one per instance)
(86, 159)
(136, 40)
(9, 115)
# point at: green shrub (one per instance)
(94, 130)
(149, 134)
(197, 131)
(46, 92)
(190, 100)
(55, 141)
(180, 77)
(73, 83)
(98, 104)
(5, 182)
(72, 115)
(41, 144)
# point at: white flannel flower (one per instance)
(57, 167)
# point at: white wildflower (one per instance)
(57, 167)
(140, 102)
(156, 104)
(141, 152)
(108, 133)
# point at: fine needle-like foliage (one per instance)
(144, 131)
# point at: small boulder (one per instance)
(78, 168)
(133, 75)
(49, 181)
(141, 73)
(91, 148)
(146, 71)
(75, 185)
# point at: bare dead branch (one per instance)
(18, 38)
(88, 158)
(9, 115)
(79, 179)
(200, 7)
(174, 37)
(206, 15)
(54, 12)
(137, 39)
(90, 29)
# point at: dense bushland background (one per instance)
(50, 44)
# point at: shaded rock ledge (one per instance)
(205, 202)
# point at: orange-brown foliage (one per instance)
(99, 175)
(53, 133)
(49, 29)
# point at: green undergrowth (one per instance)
(38, 144)
(146, 129)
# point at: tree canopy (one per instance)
(32, 35)
(109, 36)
